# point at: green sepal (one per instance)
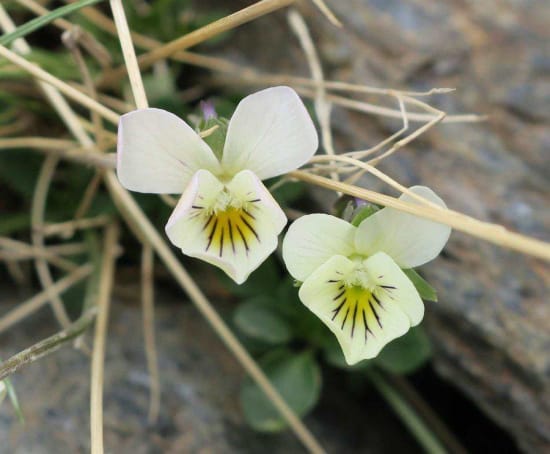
(363, 213)
(216, 139)
(425, 290)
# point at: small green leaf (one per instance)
(288, 192)
(363, 213)
(297, 378)
(260, 321)
(425, 290)
(216, 139)
(14, 401)
(407, 353)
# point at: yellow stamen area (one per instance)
(356, 308)
(230, 231)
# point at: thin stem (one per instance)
(148, 304)
(38, 209)
(46, 346)
(224, 24)
(492, 233)
(425, 437)
(98, 356)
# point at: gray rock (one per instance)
(491, 327)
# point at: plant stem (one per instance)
(46, 346)
(423, 434)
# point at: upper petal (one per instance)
(363, 320)
(312, 240)
(233, 226)
(158, 152)
(409, 240)
(270, 133)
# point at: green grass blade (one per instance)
(39, 22)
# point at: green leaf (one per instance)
(297, 378)
(41, 21)
(14, 401)
(288, 192)
(333, 355)
(425, 290)
(258, 319)
(258, 283)
(407, 353)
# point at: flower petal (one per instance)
(270, 133)
(393, 287)
(159, 153)
(364, 320)
(409, 240)
(312, 240)
(233, 226)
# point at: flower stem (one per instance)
(418, 428)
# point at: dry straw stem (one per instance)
(31, 305)
(53, 96)
(493, 233)
(46, 346)
(68, 228)
(152, 238)
(17, 250)
(38, 209)
(66, 89)
(222, 25)
(87, 40)
(148, 304)
(106, 279)
(322, 107)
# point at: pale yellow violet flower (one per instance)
(352, 276)
(225, 215)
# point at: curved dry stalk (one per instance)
(322, 107)
(38, 209)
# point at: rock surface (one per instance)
(200, 380)
(491, 327)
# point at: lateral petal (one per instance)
(312, 240)
(158, 152)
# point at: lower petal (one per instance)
(233, 226)
(363, 318)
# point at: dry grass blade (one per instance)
(30, 306)
(492, 233)
(148, 304)
(224, 24)
(98, 355)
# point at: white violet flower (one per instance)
(352, 276)
(225, 215)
